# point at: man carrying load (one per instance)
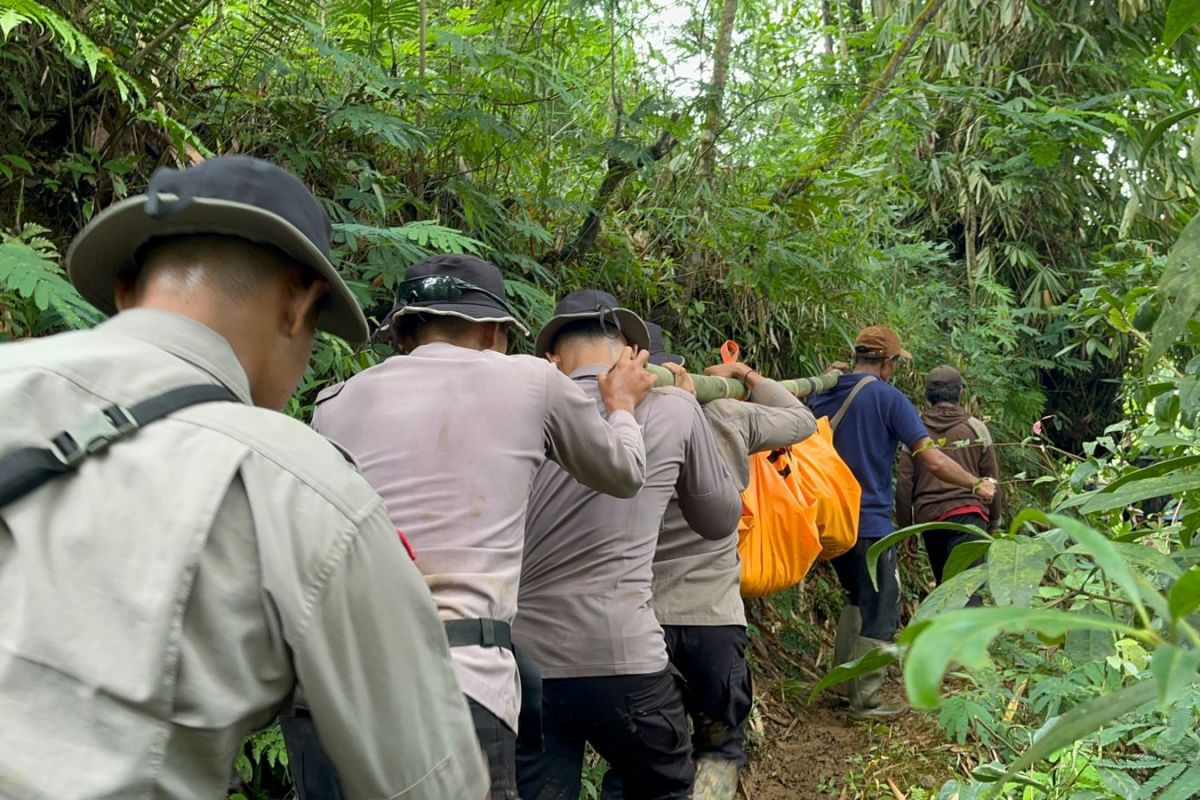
(696, 580)
(584, 612)
(451, 435)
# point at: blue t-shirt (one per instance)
(880, 419)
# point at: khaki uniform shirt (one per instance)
(451, 438)
(163, 601)
(584, 608)
(697, 581)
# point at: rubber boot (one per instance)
(864, 690)
(848, 627)
(716, 779)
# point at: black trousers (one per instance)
(636, 722)
(880, 607)
(717, 691)
(939, 543)
(316, 778)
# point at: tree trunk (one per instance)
(715, 97)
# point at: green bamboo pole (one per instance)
(709, 388)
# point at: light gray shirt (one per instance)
(164, 600)
(697, 581)
(584, 608)
(451, 438)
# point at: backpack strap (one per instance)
(841, 412)
(27, 468)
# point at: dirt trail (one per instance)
(821, 753)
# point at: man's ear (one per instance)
(126, 294)
(489, 333)
(554, 358)
(301, 309)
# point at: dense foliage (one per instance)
(1001, 181)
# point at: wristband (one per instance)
(979, 482)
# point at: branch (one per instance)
(618, 170)
(874, 96)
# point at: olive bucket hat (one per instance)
(237, 196)
(597, 305)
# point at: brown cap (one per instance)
(945, 375)
(879, 341)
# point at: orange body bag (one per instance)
(801, 505)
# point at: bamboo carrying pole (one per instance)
(709, 388)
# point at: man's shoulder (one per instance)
(670, 400)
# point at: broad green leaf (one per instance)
(1079, 722)
(965, 635)
(1104, 554)
(1181, 16)
(963, 556)
(868, 662)
(1175, 669)
(1185, 594)
(1159, 130)
(1141, 490)
(1088, 644)
(1015, 568)
(952, 593)
(1178, 292)
(877, 549)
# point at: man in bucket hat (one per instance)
(177, 557)
(870, 418)
(922, 497)
(697, 581)
(451, 435)
(584, 610)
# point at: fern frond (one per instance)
(29, 274)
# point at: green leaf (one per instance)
(1181, 16)
(877, 549)
(952, 593)
(1175, 670)
(868, 662)
(1185, 594)
(965, 635)
(1185, 787)
(1159, 130)
(1104, 554)
(1087, 645)
(1178, 293)
(1079, 722)
(1141, 490)
(1015, 569)
(963, 556)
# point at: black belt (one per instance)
(497, 633)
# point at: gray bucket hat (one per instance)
(597, 305)
(237, 196)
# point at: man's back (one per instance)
(878, 420)
(586, 584)
(451, 438)
(968, 442)
(163, 600)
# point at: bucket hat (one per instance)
(597, 305)
(658, 350)
(237, 196)
(454, 285)
(879, 341)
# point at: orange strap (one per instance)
(730, 351)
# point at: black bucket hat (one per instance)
(454, 285)
(237, 196)
(658, 350)
(592, 304)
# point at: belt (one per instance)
(497, 633)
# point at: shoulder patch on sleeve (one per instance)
(330, 391)
(982, 434)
